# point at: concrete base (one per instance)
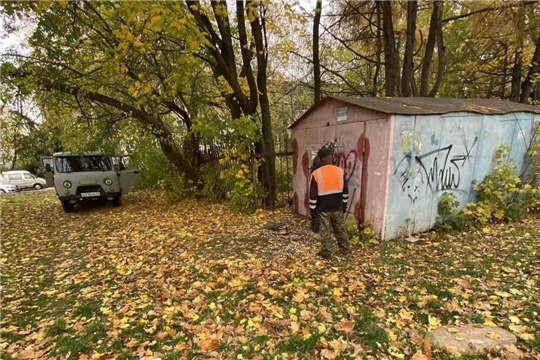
(470, 340)
(412, 239)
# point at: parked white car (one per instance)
(8, 188)
(23, 180)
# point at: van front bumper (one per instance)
(78, 197)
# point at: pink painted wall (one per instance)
(378, 136)
(363, 141)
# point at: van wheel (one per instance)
(67, 207)
(116, 201)
(2, 191)
(38, 187)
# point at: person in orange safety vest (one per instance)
(328, 198)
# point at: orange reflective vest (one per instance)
(329, 179)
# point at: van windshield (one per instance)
(69, 164)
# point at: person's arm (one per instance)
(345, 193)
(313, 196)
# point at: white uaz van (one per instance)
(80, 177)
(22, 179)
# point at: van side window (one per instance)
(15, 177)
(28, 177)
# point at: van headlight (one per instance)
(108, 182)
(67, 184)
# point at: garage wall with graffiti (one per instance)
(362, 138)
(439, 153)
(401, 154)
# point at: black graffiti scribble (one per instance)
(439, 177)
(403, 174)
(444, 178)
(467, 155)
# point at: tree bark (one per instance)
(391, 59)
(434, 26)
(375, 90)
(269, 165)
(175, 157)
(534, 69)
(408, 65)
(251, 107)
(516, 76)
(220, 48)
(505, 69)
(518, 54)
(316, 61)
(222, 66)
(442, 62)
(14, 160)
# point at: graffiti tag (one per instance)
(348, 163)
(437, 168)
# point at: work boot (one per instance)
(325, 254)
(344, 251)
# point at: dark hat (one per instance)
(324, 152)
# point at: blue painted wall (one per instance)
(438, 153)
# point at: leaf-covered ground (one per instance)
(194, 281)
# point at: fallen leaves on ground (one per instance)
(149, 280)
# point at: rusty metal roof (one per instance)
(430, 106)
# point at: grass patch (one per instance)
(296, 344)
(88, 309)
(151, 266)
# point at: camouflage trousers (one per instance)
(333, 220)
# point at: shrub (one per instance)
(175, 188)
(501, 196)
(158, 173)
(214, 187)
(246, 193)
(152, 163)
(237, 167)
(360, 234)
(283, 181)
(448, 215)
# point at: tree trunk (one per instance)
(269, 164)
(174, 155)
(434, 26)
(534, 69)
(408, 65)
(192, 146)
(516, 76)
(518, 54)
(14, 160)
(247, 54)
(375, 90)
(441, 61)
(221, 50)
(391, 59)
(316, 63)
(505, 69)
